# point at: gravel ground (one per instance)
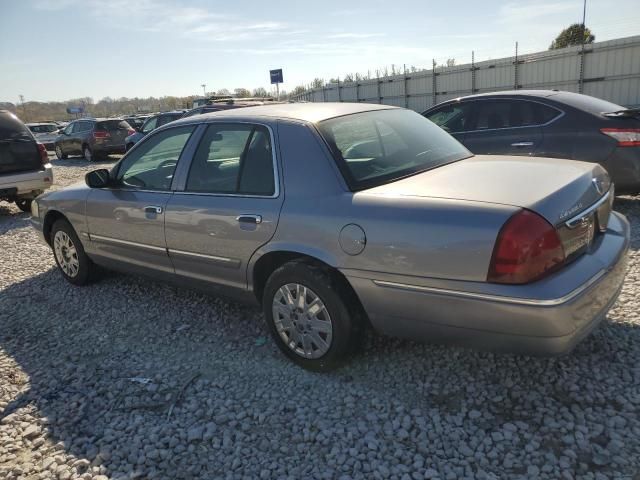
(129, 378)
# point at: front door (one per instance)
(126, 221)
(229, 207)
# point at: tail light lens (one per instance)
(626, 137)
(101, 134)
(130, 131)
(44, 156)
(527, 248)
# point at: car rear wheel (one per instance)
(24, 204)
(308, 318)
(87, 153)
(76, 267)
(59, 154)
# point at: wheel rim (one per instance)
(87, 153)
(66, 253)
(302, 320)
(58, 152)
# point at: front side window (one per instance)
(150, 125)
(152, 164)
(164, 119)
(452, 118)
(69, 129)
(372, 148)
(78, 127)
(233, 159)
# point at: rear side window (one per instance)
(233, 159)
(11, 128)
(495, 114)
(112, 125)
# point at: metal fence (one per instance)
(608, 70)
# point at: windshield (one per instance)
(372, 148)
(111, 125)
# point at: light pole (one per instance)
(204, 92)
(24, 108)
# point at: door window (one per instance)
(78, 127)
(233, 159)
(151, 165)
(69, 129)
(150, 125)
(164, 119)
(452, 118)
(495, 114)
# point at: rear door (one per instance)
(229, 206)
(504, 127)
(126, 220)
(18, 149)
(78, 134)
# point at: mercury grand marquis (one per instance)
(334, 217)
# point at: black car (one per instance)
(93, 138)
(150, 124)
(548, 123)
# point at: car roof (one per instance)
(35, 124)
(308, 112)
(513, 93)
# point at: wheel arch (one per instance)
(49, 219)
(263, 266)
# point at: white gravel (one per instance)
(129, 378)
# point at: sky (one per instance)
(63, 49)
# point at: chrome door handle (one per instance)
(153, 209)
(522, 144)
(249, 218)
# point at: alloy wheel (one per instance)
(302, 320)
(66, 253)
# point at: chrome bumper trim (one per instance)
(495, 298)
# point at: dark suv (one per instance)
(93, 137)
(548, 123)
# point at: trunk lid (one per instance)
(556, 189)
(116, 132)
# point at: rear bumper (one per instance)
(623, 166)
(548, 317)
(28, 184)
(108, 149)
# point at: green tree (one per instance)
(242, 93)
(573, 35)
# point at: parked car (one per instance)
(548, 123)
(335, 215)
(93, 138)
(227, 104)
(135, 122)
(25, 171)
(149, 125)
(44, 133)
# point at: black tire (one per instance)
(344, 316)
(87, 153)
(60, 155)
(86, 268)
(24, 204)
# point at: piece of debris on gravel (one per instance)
(106, 382)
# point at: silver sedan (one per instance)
(335, 217)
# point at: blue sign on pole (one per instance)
(276, 76)
(75, 110)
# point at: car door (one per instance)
(503, 127)
(126, 220)
(65, 139)
(229, 206)
(453, 118)
(77, 136)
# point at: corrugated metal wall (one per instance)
(609, 70)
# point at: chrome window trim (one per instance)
(495, 298)
(276, 171)
(572, 222)
(537, 125)
(117, 241)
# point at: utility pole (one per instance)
(24, 108)
(204, 91)
(584, 30)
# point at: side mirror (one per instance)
(97, 178)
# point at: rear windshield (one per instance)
(111, 125)
(373, 148)
(11, 128)
(43, 128)
(587, 103)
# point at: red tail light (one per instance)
(130, 131)
(44, 156)
(101, 134)
(527, 248)
(626, 137)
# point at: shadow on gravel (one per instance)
(145, 380)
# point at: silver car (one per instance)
(45, 133)
(334, 217)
